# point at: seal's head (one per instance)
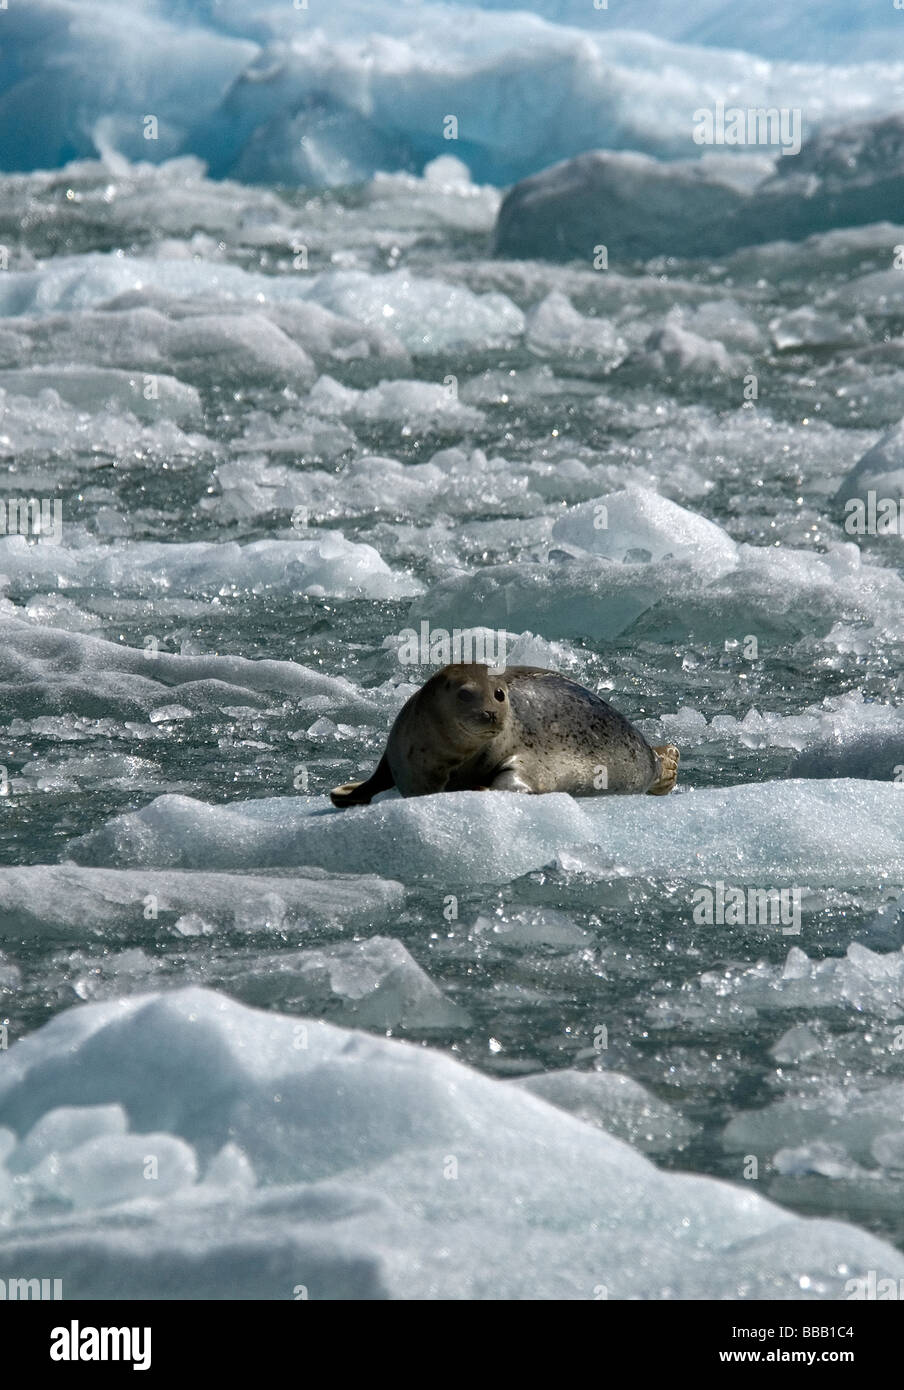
(472, 701)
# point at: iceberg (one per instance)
(636, 206)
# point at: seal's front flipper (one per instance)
(362, 793)
(510, 778)
(668, 756)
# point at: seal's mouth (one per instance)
(479, 723)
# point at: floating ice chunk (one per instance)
(411, 402)
(786, 593)
(169, 714)
(444, 196)
(527, 649)
(639, 207)
(878, 755)
(250, 349)
(573, 597)
(831, 1124)
(429, 316)
(459, 835)
(673, 349)
(880, 471)
(325, 564)
(713, 588)
(110, 973)
(843, 736)
(863, 981)
(615, 1103)
(223, 348)
(807, 327)
(879, 294)
(373, 983)
(839, 179)
(426, 315)
(328, 336)
(197, 1071)
(888, 1150)
(802, 832)
(86, 281)
(828, 1160)
(633, 205)
(722, 319)
(637, 522)
(95, 389)
(46, 670)
(193, 924)
(295, 434)
(63, 901)
(886, 930)
(555, 328)
(10, 975)
(61, 441)
(533, 927)
(55, 610)
(796, 1045)
(456, 481)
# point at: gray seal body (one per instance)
(524, 730)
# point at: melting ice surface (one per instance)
(297, 408)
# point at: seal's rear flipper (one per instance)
(362, 793)
(668, 756)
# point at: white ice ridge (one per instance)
(293, 1155)
(46, 670)
(322, 564)
(326, 95)
(810, 832)
(60, 901)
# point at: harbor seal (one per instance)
(524, 730)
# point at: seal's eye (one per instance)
(466, 696)
(499, 695)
